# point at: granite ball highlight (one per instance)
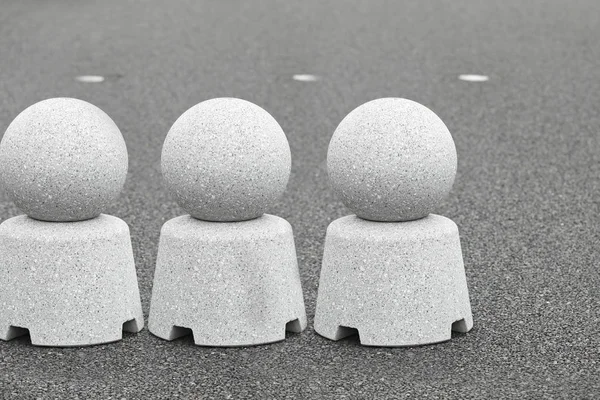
(392, 159)
(226, 159)
(63, 160)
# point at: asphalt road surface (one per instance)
(525, 197)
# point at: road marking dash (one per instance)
(305, 78)
(90, 78)
(473, 78)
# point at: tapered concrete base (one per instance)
(396, 283)
(68, 283)
(230, 283)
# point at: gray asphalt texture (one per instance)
(524, 198)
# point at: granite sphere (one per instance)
(63, 160)
(226, 159)
(392, 159)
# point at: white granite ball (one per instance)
(392, 159)
(63, 160)
(226, 159)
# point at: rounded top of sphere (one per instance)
(62, 160)
(226, 159)
(392, 159)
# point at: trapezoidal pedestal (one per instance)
(68, 283)
(230, 283)
(396, 283)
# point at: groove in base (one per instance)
(294, 326)
(131, 326)
(460, 326)
(178, 332)
(345, 331)
(15, 331)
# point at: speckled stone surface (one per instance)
(63, 159)
(70, 284)
(391, 159)
(398, 284)
(232, 284)
(526, 196)
(226, 159)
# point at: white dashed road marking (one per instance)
(473, 78)
(305, 78)
(90, 78)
